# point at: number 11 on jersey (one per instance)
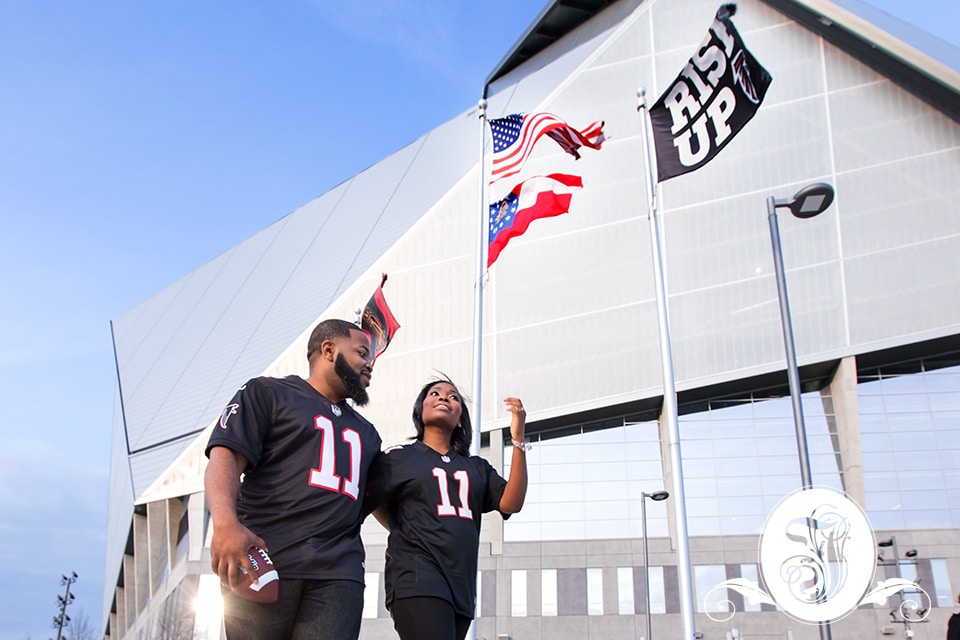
(446, 508)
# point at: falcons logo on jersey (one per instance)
(228, 411)
(741, 76)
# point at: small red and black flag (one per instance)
(378, 321)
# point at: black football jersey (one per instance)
(303, 487)
(434, 504)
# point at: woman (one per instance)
(434, 492)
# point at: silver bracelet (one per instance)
(523, 446)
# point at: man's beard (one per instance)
(351, 380)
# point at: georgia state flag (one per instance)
(537, 197)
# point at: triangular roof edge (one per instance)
(935, 80)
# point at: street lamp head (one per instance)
(657, 496)
(885, 543)
(812, 200)
(911, 554)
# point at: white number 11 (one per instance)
(446, 508)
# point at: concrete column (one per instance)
(843, 418)
(140, 578)
(174, 515)
(495, 458)
(196, 525)
(156, 544)
(667, 477)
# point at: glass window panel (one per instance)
(708, 597)
(873, 423)
(699, 468)
(700, 487)
(642, 432)
(560, 492)
(699, 507)
(749, 572)
(881, 481)
(878, 461)
(947, 420)
(911, 440)
(929, 519)
(776, 445)
(560, 454)
(883, 501)
(742, 505)
(694, 449)
(920, 485)
(605, 510)
(643, 452)
(943, 592)
(647, 472)
(906, 403)
(559, 511)
(606, 528)
(604, 453)
(518, 593)
(702, 526)
(741, 525)
(658, 595)
(912, 460)
(610, 470)
(869, 404)
(724, 447)
(561, 473)
(738, 466)
(947, 380)
(944, 401)
(781, 465)
(870, 442)
(625, 598)
(604, 436)
(548, 591)
(594, 592)
(948, 439)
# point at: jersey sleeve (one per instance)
(495, 487)
(244, 423)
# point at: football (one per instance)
(267, 587)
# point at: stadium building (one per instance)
(858, 100)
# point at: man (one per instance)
(304, 454)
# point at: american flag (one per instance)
(538, 197)
(515, 135)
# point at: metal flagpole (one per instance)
(478, 288)
(670, 412)
(478, 311)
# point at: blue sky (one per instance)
(139, 140)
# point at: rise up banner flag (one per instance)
(715, 95)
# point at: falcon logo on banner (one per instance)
(715, 95)
(378, 322)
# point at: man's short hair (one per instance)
(328, 330)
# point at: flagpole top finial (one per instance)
(482, 104)
(641, 97)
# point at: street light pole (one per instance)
(810, 201)
(656, 496)
(793, 374)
